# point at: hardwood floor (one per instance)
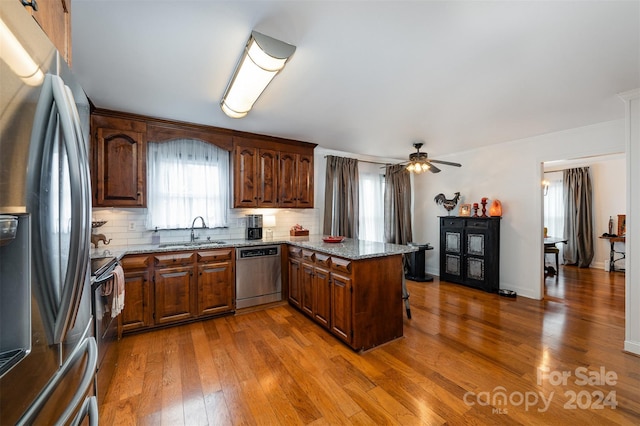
(464, 352)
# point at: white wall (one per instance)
(632, 276)
(512, 173)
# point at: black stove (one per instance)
(101, 264)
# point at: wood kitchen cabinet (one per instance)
(322, 290)
(470, 251)
(174, 287)
(174, 284)
(309, 283)
(137, 313)
(272, 174)
(295, 265)
(254, 176)
(358, 301)
(341, 306)
(306, 287)
(295, 183)
(54, 17)
(266, 172)
(216, 289)
(119, 152)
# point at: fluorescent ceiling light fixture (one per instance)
(262, 59)
(18, 59)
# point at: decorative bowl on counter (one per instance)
(97, 223)
(333, 239)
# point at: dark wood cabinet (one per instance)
(322, 290)
(54, 17)
(294, 267)
(295, 182)
(306, 287)
(216, 289)
(174, 289)
(254, 176)
(470, 251)
(137, 312)
(341, 305)
(358, 301)
(119, 153)
(271, 174)
(309, 281)
(266, 172)
(174, 285)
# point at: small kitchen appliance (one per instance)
(254, 227)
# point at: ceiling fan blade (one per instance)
(433, 169)
(447, 163)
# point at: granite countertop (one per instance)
(348, 249)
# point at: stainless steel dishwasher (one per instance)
(258, 275)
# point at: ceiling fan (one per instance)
(420, 162)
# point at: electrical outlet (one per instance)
(132, 226)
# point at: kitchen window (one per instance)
(186, 178)
(371, 199)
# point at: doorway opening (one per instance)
(608, 179)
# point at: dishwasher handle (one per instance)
(252, 252)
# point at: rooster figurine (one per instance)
(448, 204)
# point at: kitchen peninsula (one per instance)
(352, 288)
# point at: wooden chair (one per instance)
(553, 250)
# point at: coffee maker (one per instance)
(254, 227)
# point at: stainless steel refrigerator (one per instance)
(47, 349)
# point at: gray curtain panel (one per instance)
(578, 225)
(397, 205)
(341, 197)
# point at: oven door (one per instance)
(106, 330)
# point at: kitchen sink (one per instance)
(192, 243)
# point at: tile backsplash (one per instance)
(127, 226)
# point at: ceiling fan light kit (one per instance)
(263, 58)
(420, 162)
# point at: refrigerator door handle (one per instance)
(89, 409)
(89, 347)
(78, 250)
(59, 305)
(83, 165)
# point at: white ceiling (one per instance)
(369, 77)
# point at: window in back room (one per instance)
(371, 200)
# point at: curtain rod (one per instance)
(368, 161)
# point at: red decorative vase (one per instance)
(496, 209)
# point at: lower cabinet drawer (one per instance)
(134, 262)
(174, 259)
(341, 265)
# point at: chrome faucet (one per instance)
(204, 225)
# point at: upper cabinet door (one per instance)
(54, 18)
(296, 180)
(288, 180)
(245, 160)
(255, 177)
(267, 178)
(304, 168)
(120, 165)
